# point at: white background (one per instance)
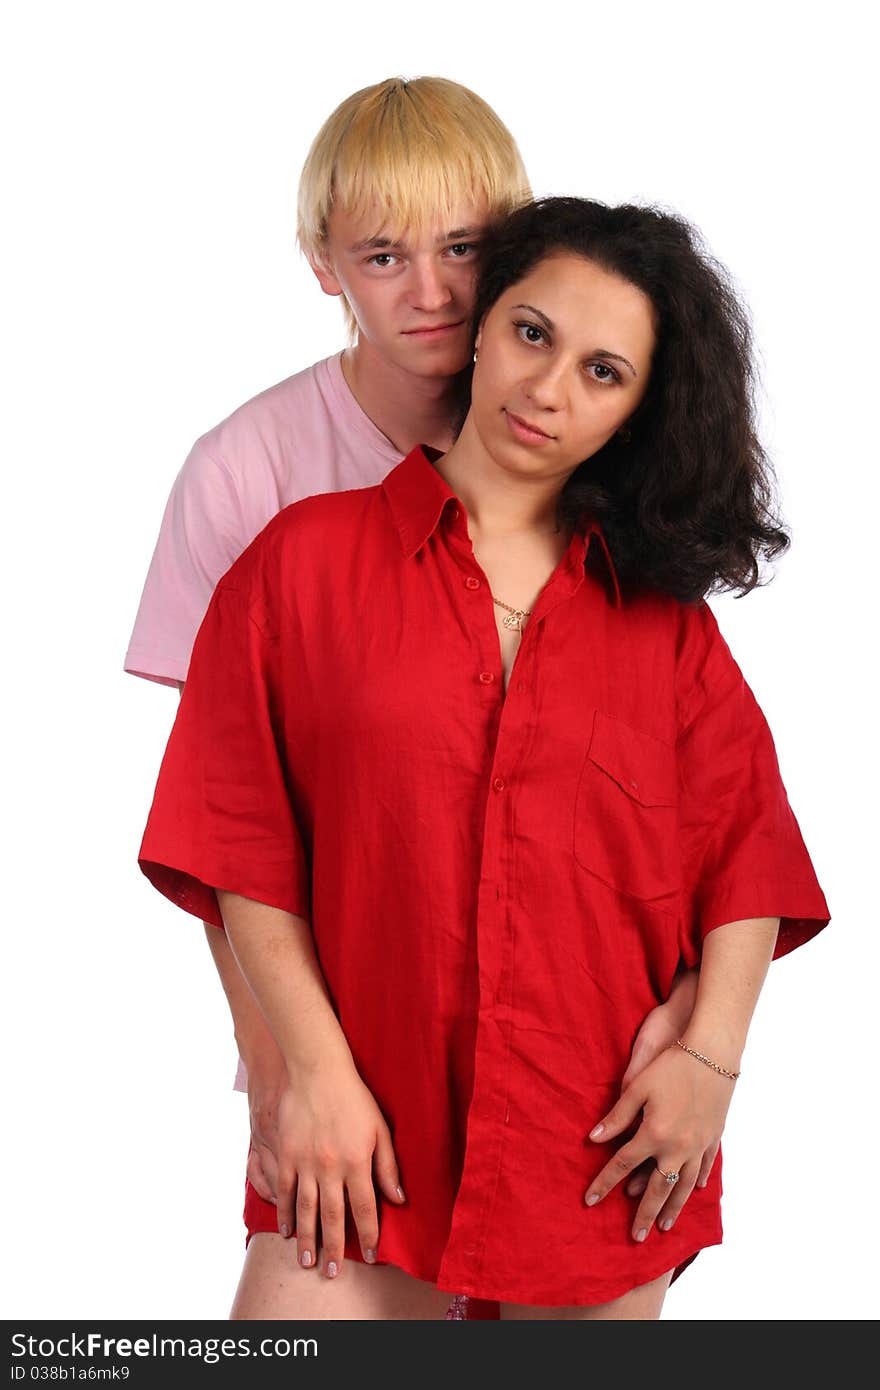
(152, 285)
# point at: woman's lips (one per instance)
(524, 432)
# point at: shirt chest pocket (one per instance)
(626, 817)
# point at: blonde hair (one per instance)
(417, 148)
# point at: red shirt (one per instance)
(499, 886)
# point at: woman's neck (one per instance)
(499, 504)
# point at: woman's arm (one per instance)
(685, 1102)
(332, 1136)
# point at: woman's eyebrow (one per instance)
(603, 352)
(548, 323)
(600, 352)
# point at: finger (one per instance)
(307, 1221)
(285, 1200)
(707, 1164)
(677, 1198)
(332, 1202)
(639, 1180)
(642, 1053)
(659, 1192)
(385, 1166)
(257, 1178)
(362, 1200)
(620, 1116)
(621, 1166)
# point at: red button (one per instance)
(471, 582)
(499, 784)
(486, 677)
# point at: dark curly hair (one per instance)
(686, 504)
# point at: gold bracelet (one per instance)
(722, 1071)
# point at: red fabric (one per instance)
(500, 888)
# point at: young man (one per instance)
(397, 187)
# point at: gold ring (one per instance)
(671, 1177)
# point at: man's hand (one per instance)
(267, 1080)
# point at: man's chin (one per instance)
(432, 366)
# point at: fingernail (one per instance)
(666, 1224)
(592, 1199)
(370, 1256)
(331, 1269)
(594, 1133)
(703, 1184)
(400, 1194)
(642, 1234)
(306, 1258)
(285, 1230)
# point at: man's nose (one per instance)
(429, 290)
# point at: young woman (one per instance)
(466, 770)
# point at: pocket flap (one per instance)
(643, 766)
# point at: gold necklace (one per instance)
(514, 617)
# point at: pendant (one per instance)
(514, 620)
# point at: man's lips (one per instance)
(527, 426)
(436, 328)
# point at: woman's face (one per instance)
(564, 358)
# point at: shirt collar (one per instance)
(419, 495)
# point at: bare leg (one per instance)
(274, 1285)
(640, 1304)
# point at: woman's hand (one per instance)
(685, 1106)
(332, 1139)
(661, 1027)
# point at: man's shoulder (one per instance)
(298, 404)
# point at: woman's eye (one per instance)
(526, 330)
(603, 372)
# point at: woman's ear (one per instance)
(325, 275)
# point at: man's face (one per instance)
(411, 292)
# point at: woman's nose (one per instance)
(547, 388)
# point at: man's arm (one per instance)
(266, 1072)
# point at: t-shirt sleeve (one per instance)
(202, 533)
(221, 815)
(743, 854)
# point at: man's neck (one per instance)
(408, 409)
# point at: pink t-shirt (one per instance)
(304, 436)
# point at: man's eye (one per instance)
(461, 248)
(384, 257)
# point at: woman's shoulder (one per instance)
(305, 538)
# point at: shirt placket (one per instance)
(488, 1112)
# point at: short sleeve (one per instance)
(202, 533)
(221, 815)
(743, 854)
